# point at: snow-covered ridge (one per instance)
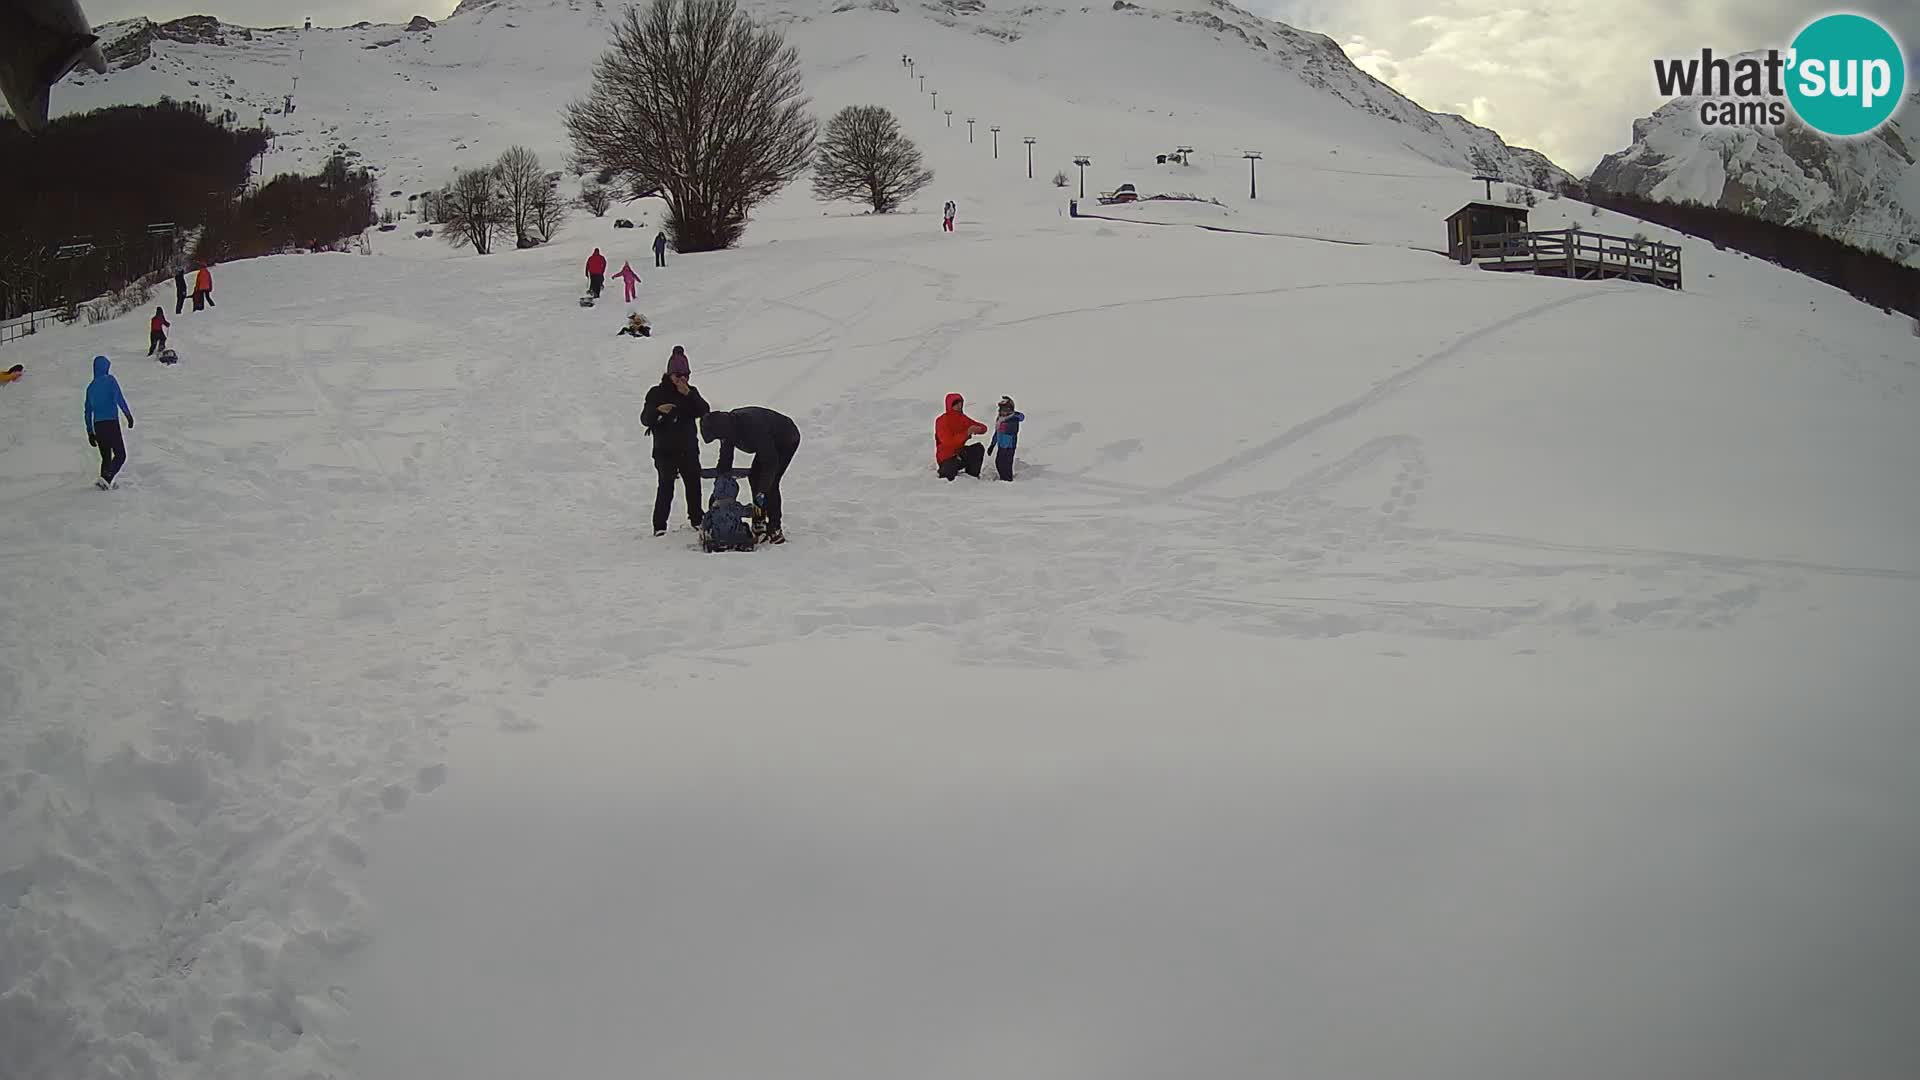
(548, 42)
(1865, 191)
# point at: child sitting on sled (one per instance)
(637, 326)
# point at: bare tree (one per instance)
(597, 199)
(520, 179)
(549, 210)
(473, 211)
(695, 101)
(863, 156)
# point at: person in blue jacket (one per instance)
(1006, 434)
(104, 404)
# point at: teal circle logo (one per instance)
(1847, 75)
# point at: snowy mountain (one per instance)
(408, 98)
(1369, 646)
(1865, 191)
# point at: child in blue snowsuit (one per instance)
(1006, 434)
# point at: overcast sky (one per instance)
(1566, 77)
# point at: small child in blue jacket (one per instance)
(1006, 434)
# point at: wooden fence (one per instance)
(1575, 253)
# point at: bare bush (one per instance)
(864, 157)
(1061, 179)
(596, 199)
(548, 211)
(695, 101)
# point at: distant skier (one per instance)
(179, 289)
(946, 221)
(660, 249)
(771, 438)
(951, 450)
(628, 278)
(104, 404)
(157, 331)
(203, 289)
(596, 273)
(1006, 435)
(672, 409)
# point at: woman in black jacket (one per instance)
(671, 416)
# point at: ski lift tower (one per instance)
(163, 233)
(1490, 182)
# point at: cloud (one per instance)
(1566, 77)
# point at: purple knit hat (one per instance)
(677, 364)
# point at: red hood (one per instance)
(953, 400)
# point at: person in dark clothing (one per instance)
(660, 249)
(672, 409)
(179, 291)
(104, 404)
(771, 438)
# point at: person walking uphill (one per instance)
(596, 273)
(946, 221)
(628, 278)
(203, 289)
(771, 438)
(179, 290)
(104, 404)
(660, 249)
(951, 450)
(673, 408)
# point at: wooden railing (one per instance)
(1575, 253)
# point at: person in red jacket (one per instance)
(157, 331)
(596, 273)
(203, 289)
(951, 450)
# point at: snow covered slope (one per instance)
(416, 102)
(1864, 191)
(1368, 644)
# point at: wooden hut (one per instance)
(1484, 221)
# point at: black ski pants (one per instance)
(763, 478)
(156, 340)
(686, 469)
(1003, 462)
(179, 301)
(660, 257)
(113, 448)
(595, 282)
(970, 457)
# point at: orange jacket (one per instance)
(10, 376)
(203, 281)
(953, 429)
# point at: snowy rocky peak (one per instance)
(1865, 191)
(129, 43)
